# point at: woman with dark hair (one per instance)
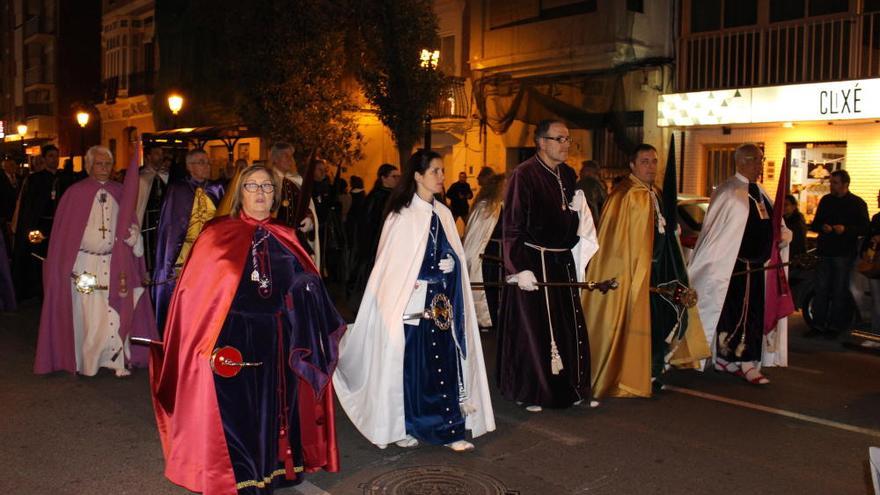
(416, 321)
(242, 386)
(795, 222)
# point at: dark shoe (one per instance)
(656, 386)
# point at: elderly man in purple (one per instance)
(94, 301)
(189, 204)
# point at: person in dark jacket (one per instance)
(840, 220)
(795, 222)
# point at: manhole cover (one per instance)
(435, 480)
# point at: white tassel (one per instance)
(555, 359)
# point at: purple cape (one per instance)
(173, 222)
(55, 344)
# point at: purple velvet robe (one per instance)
(55, 344)
(173, 223)
(534, 214)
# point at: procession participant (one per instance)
(189, 204)
(635, 331)
(548, 236)
(37, 201)
(284, 167)
(411, 367)
(94, 302)
(366, 231)
(151, 193)
(241, 386)
(737, 236)
(480, 225)
(7, 291)
(594, 189)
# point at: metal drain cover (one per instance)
(435, 480)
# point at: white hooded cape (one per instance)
(714, 256)
(479, 229)
(369, 377)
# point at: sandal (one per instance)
(407, 443)
(460, 446)
(753, 375)
(725, 366)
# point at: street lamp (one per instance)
(175, 103)
(430, 59)
(22, 130)
(82, 118)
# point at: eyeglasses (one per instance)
(252, 187)
(558, 139)
(755, 159)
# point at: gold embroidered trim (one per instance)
(265, 481)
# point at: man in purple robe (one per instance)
(94, 301)
(189, 204)
(543, 350)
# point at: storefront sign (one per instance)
(840, 100)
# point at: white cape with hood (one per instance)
(477, 233)
(369, 376)
(714, 256)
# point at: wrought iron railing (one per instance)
(825, 49)
(453, 102)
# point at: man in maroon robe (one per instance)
(543, 350)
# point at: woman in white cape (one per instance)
(407, 373)
(480, 225)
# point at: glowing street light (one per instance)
(82, 118)
(175, 103)
(430, 58)
(22, 130)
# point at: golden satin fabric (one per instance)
(619, 322)
(203, 209)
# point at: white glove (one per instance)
(785, 236)
(133, 233)
(447, 264)
(577, 202)
(307, 224)
(526, 280)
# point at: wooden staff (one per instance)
(603, 286)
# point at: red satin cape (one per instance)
(184, 398)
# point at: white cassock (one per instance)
(95, 323)
(714, 256)
(369, 377)
(477, 233)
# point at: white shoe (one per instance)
(594, 403)
(534, 409)
(460, 446)
(870, 344)
(407, 443)
(122, 373)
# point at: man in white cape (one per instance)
(369, 377)
(733, 209)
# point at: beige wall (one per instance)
(862, 160)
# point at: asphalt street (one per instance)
(808, 432)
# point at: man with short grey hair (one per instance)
(189, 204)
(283, 164)
(726, 270)
(87, 290)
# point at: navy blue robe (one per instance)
(431, 363)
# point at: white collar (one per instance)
(418, 202)
(742, 178)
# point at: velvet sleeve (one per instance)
(517, 201)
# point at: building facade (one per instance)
(49, 72)
(801, 78)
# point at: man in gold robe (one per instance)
(635, 330)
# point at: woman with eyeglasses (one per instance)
(241, 386)
(411, 367)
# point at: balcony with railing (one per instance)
(38, 75)
(827, 49)
(38, 109)
(138, 83)
(453, 102)
(38, 26)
